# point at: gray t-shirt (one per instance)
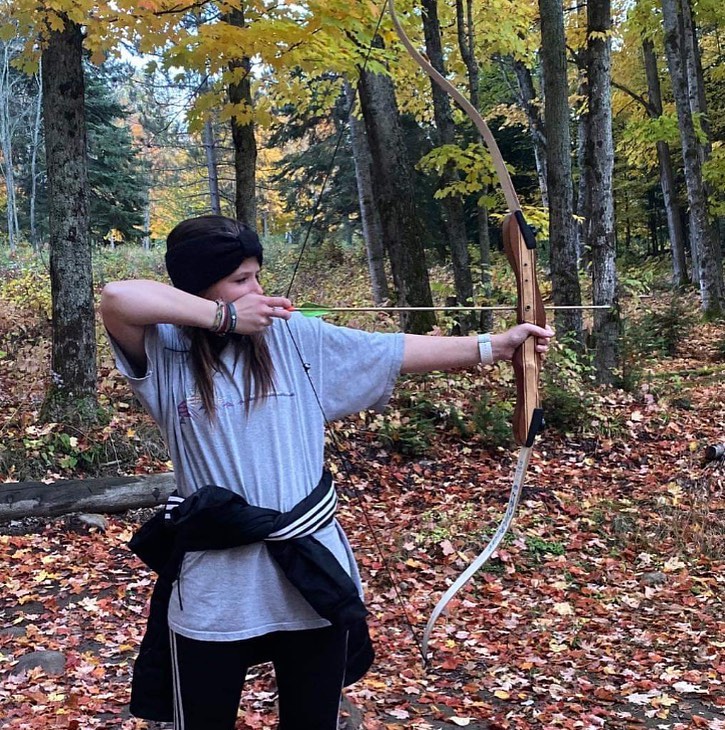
(273, 456)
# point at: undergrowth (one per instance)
(684, 520)
(471, 406)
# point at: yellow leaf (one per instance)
(664, 700)
(55, 23)
(672, 565)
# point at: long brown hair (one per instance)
(258, 369)
(201, 251)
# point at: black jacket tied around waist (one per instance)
(214, 518)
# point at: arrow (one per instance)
(309, 309)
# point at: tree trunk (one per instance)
(453, 213)
(528, 102)
(701, 238)
(35, 142)
(369, 217)
(6, 145)
(146, 241)
(215, 202)
(562, 230)
(695, 77)
(71, 396)
(393, 177)
(583, 198)
(245, 143)
(599, 154)
(466, 45)
(667, 176)
(696, 87)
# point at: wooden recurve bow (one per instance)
(520, 249)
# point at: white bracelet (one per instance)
(485, 351)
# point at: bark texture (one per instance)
(452, 205)
(369, 217)
(562, 229)
(393, 178)
(599, 159)
(702, 241)
(209, 142)
(243, 136)
(71, 395)
(109, 495)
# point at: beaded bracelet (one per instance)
(219, 317)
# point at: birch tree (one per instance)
(9, 118)
(369, 215)
(35, 149)
(667, 175)
(702, 240)
(599, 159)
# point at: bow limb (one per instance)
(509, 192)
(487, 552)
(520, 249)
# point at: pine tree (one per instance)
(116, 174)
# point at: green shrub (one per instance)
(567, 381)
(492, 420)
(28, 289)
(539, 547)
(408, 435)
(659, 333)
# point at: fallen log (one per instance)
(105, 496)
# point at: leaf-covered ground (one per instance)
(604, 609)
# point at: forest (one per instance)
(397, 161)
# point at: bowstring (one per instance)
(343, 460)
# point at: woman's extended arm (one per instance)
(424, 353)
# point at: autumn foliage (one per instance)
(603, 609)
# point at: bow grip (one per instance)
(528, 415)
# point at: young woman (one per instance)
(259, 569)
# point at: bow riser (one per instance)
(521, 254)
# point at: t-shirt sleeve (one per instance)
(356, 370)
(161, 344)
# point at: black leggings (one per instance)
(309, 667)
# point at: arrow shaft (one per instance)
(497, 308)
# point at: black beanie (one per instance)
(201, 251)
